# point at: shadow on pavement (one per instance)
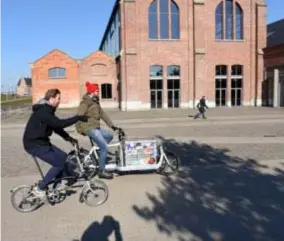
(218, 197)
(101, 232)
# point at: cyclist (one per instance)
(39, 128)
(90, 106)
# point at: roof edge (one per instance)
(53, 50)
(115, 6)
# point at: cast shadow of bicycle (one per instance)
(101, 232)
(218, 197)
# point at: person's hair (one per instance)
(51, 93)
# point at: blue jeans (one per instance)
(53, 156)
(101, 137)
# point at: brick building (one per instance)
(58, 70)
(167, 54)
(273, 87)
(24, 87)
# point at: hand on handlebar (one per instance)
(115, 128)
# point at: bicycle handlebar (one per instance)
(121, 134)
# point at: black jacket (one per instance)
(202, 104)
(41, 125)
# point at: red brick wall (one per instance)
(99, 68)
(96, 68)
(197, 29)
(68, 86)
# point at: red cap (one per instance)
(91, 88)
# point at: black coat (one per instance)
(202, 105)
(42, 124)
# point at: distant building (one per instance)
(273, 86)
(24, 87)
(167, 54)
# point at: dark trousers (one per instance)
(201, 112)
(53, 156)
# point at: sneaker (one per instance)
(105, 175)
(38, 193)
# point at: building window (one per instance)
(236, 85)
(156, 86)
(57, 73)
(220, 85)
(164, 20)
(233, 24)
(173, 85)
(219, 21)
(106, 91)
(239, 23)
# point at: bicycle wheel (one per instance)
(94, 193)
(28, 202)
(171, 166)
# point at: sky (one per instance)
(32, 28)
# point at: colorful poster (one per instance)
(140, 152)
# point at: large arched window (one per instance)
(233, 24)
(163, 20)
(219, 26)
(57, 73)
(239, 22)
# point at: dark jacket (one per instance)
(202, 105)
(41, 125)
(91, 107)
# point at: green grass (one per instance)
(16, 102)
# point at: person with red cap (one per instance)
(90, 106)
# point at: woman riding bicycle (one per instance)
(90, 106)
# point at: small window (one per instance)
(237, 70)
(156, 71)
(106, 91)
(57, 73)
(221, 70)
(173, 70)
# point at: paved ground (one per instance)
(230, 187)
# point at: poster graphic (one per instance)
(141, 152)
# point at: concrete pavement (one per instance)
(230, 186)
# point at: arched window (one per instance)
(153, 20)
(162, 14)
(175, 20)
(219, 27)
(229, 19)
(57, 73)
(233, 24)
(106, 91)
(239, 22)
